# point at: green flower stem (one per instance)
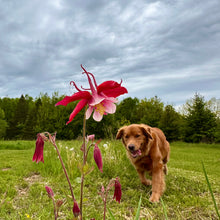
(84, 138)
(91, 145)
(210, 189)
(105, 200)
(64, 169)
(84, 162)
(55, 211)
(110, 185)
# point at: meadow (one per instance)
(23, 194)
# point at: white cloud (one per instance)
(164, 48)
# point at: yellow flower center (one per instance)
(100, 108)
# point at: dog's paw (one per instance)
(155, 197)
(147, 182)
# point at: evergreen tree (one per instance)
(30, 132)
(200, 121)
(17, 123)
(8, 105)
(3, 124)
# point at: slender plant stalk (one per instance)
(105, 200)
(110, 185)
(64, 169)
(138, 209)
(91, 145)
(81, 193)
(55, 211)
(164, 209)
(111, 215)
(84, 138)
(210, 189)
(84, 162)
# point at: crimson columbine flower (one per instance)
(76, 210)
(49, 191)
(98, 157)
(101, 99)
(117, 193)
(38, 154)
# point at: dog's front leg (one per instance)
(158, 183)
(142, 177)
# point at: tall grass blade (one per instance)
(210, 189)
(111, 215)
(139, 209)
(164, 209)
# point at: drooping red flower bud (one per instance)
(38, 154)
(76, 210)
(91, 137)
(98, 157)
(117, 193)
(59, 203)
(49, 191)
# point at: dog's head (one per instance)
(135, 138)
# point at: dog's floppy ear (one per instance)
(147, 131)
(120, 132)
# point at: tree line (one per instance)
(24, 117)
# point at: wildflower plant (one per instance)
(117, 192)
(56, 204)
(98, 100)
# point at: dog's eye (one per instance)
(126, 136)
(137, 135)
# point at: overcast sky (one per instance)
(168, 48)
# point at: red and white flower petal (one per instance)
(114, 100)
(97, 116)
(89, 112)
(115, 92)
(77, 109)
(107, 85)
(76, 96)
(96, 99)
(110, 107)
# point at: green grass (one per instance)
(187, 196)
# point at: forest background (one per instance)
(196, 121)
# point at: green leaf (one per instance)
(210, 189)
(164, 209)
(111, 215)
(139, 209)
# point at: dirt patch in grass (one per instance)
(24, 186)
(28, 181)
(33, 178)
(6, 168)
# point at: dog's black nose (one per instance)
(131, 147)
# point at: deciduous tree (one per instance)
(170, 123)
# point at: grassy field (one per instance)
(22, 182)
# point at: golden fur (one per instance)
(148, 151)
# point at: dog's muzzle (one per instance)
(134, 153)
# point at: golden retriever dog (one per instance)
(148, 151)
